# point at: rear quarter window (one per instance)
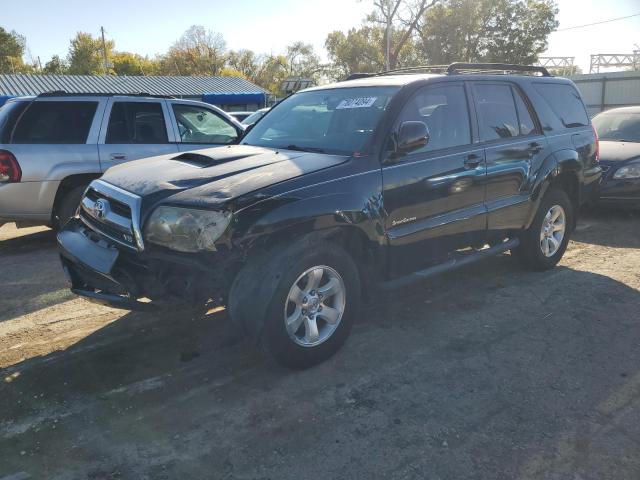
(9, 114)
(55, 122)
(565, 102)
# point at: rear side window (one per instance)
(444, 110)
(565, 102)
(55, 122)
(136, 122)
(497, 113)
(9, 114)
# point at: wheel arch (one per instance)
(561, 170)
(66, 185)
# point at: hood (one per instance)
(214, 175)
(615, 153)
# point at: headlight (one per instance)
(185, 229)
(630, 171)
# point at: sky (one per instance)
(150, 27)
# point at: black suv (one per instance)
(374, 182)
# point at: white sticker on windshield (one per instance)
(362, 102)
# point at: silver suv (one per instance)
(53, 145)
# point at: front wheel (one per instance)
(313, 306)
(543, 244)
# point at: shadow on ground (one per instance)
(621, 227)
(489, 373)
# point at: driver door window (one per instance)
(200, 125)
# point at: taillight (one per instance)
(595, 134)
(9, 169)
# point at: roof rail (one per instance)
(59, 93)
(459, 67)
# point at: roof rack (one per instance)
(60, 93)
(458, 68)
(498, 68)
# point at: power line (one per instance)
(598, 23)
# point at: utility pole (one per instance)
(104, 52)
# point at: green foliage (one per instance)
(12, 48)
(86, 55)
(55, 66)
(360, 50)
(126, 63)
(508, 31)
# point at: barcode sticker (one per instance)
(362, 102)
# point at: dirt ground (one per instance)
(488, 373)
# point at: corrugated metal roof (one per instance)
(17, 85)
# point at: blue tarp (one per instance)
(234, 98)
(4, 98)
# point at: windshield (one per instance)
(620, 127)
(339, 121)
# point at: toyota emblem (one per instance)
(100, 208)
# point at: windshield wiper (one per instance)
(298, 148)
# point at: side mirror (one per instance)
(412, 136)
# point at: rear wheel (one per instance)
(543, 244)
(68, 205)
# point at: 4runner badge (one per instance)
(403, 220)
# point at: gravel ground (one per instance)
(488, 373)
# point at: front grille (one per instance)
(120, 208)
(112, 213)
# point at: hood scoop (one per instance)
(202, 160)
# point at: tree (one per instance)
(86, 55)
(360, 50)
(363, 50)
(197, 52)
(271, 72)
(55, 66)
(243, 61)
(303, 61)
(400, 19)
(508, 31)
(12, 48)
(126, 63)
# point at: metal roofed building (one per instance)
(230, 93)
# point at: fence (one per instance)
(602, 91)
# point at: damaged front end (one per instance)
(105, 259)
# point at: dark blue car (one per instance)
(619, 132)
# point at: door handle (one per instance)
(534, 148)
(472, 161)
(118, 156)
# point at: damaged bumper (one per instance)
(104, 273)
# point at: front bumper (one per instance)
(88, 266)
(105, 273)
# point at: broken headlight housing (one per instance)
(186, 229)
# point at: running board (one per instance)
(449, 265)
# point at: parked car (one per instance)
(53, 145)
(340, 191)
(255, 116)
(240, 116)
(619, 132)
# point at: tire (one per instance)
(312, 267)
(532, 251)
(67, 206)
